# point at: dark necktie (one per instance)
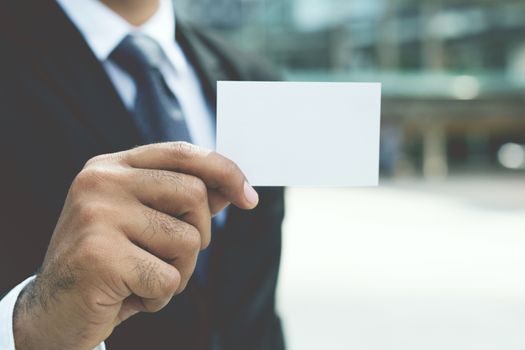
(157, 111)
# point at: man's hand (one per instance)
(126, 242)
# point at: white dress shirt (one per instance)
(103, 31)
(7, 306)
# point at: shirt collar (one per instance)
(103, 29)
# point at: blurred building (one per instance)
(453, 71)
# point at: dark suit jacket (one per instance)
(58, 109)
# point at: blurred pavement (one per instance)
(411, 265)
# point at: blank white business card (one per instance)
(301, 134)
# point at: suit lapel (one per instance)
(67, 64)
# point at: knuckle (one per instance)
(104, 158)
(90, 212)
(86, 213)
(94, 178)
(192, 238)
(229, 170)
(153, 219)
(88, 179)
(180, 233)
(147, 274)
(197, 190)
(96, 159)
(161, 281)
(183, 150)
(170, 282)
(184, 236)
(167, 224)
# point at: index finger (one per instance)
(218, 172)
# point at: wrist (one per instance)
(47, 321)
(28, 321)
(36, 322)
(23, 325)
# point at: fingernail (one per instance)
(250, 194)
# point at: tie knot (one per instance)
(138, 54)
